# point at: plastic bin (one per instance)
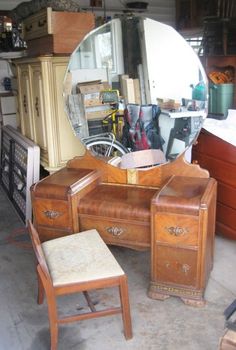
(221, 98)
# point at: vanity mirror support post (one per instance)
(182, 242)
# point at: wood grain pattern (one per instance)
(67, 30)
(182, 244)
(219, 157)
(173, 215)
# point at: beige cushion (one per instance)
(79, 257)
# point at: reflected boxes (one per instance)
(93, 107)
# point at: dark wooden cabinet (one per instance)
(219, 157)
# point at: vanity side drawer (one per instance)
(52, 213)
(118, 232)
(176, 266)
(38, 25)
(176, 229)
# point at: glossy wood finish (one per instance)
(133, 208)
(183, 228)
(56, 199)
(219, 157)
(46, 286)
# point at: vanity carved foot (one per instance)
(158, 296)
(193, 302)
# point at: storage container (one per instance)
(221, 98)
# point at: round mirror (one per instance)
(135, 84)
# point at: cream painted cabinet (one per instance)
(25, 105)
(41, 109)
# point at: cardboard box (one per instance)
(97, 114)
(90, 92)
(167, 103)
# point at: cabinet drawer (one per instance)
(52, 213)
(177, 266)
(176, 229)
(38, 25)
(118, 232)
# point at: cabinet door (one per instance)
(40, 132)
(25, 101)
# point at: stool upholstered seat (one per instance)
(78, 263)
(80, 257)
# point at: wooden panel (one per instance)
(48, 233)
(178, 266)
(213, 146)
(127, 233)
(219, 157)
(219, 169)
(177, 230)
(52, 213)
(122, 202)
(226, 215)
(226, 195)
(56, 31)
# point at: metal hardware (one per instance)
(37, 106)
(115, 231)
(185, 268)
(51, 214)
(42, 23)
(28, 28)
(177, 231)
(25, 104)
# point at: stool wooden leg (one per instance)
(124, 297)
(40, 290)
(53, 322)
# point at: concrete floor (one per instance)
(168, 325)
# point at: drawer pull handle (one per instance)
(185, 268)
(52, 214)
(37, 106)
(42, 23)
(28, 28)
(25, 104)
(176, 231)
(115, 231)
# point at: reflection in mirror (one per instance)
(135, 84)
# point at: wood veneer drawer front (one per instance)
(178, 266)
(118, 231)
(176, 229)
(226, 216)
(226, 195)
(38, 25)
(220, 170)
(211, 145)
(52, 213)
(47, 233)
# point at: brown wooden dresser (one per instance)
(169, 209)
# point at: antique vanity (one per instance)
(167, 208)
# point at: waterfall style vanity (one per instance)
(167, 208)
